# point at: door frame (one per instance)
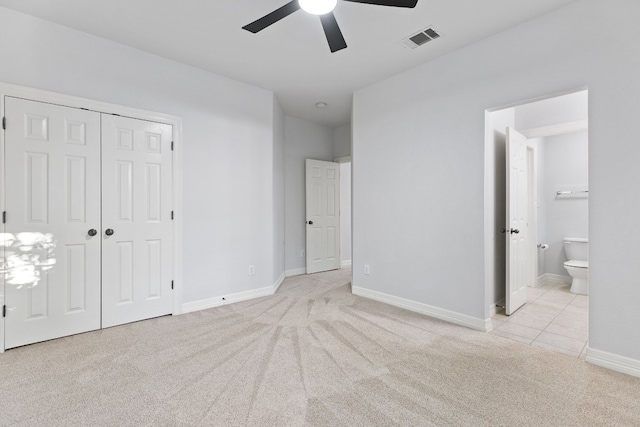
(308, 217)
(490, 197)
(340, 161)
(106, 108)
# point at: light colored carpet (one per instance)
(313, 354)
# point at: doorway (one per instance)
(345, 212)
(317, 200)
(557, 156)
(322, 183)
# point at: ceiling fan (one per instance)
(323, 8)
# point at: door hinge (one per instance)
(171, 214)
(4, 217)
(171, 145)
(4, 123)
(4, 310)
(172, 284)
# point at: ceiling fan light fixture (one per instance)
(318, 7)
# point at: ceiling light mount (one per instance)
(318, 7)
(321, 105)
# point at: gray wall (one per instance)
(342, 141)
(303, 140)
(418, 148)
(565, 167)
(227, 141)
(541, 203)
(278, 191)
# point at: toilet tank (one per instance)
(576, 248)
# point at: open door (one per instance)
(517, 221)
(323, 215)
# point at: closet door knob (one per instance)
(511, 231)
(92, 232)
(108, 232)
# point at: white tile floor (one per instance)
(553, 318)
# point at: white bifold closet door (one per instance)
(73, 176)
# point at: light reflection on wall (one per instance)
(26, 256)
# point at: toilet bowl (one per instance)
(579, 271)
(577, 252)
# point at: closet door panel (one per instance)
(51, 264)
(137, 194)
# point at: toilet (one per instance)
(577, 252)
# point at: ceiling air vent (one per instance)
(420, 38)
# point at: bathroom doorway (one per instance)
(557, 191)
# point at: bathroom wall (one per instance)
(563, 166)
(541, 203)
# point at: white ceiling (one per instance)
(290, 57)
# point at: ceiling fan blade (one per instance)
(394, 3)
(273, 17)
(332, 32)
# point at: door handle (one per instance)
(511, 231)
(109, 232)
(310, 222)
(92, 232)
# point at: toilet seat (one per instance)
(575, 263)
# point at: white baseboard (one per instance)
(295, 272)
(615, 362)
(279, 281)
(204, 304)
(418, 307)
(553, 278)
(344, 264)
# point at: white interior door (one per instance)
(52, 202)
(517, 228)
(323, 215)
(137, 230)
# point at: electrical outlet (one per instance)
(252, 270)
(367, 270)
(302, 253)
